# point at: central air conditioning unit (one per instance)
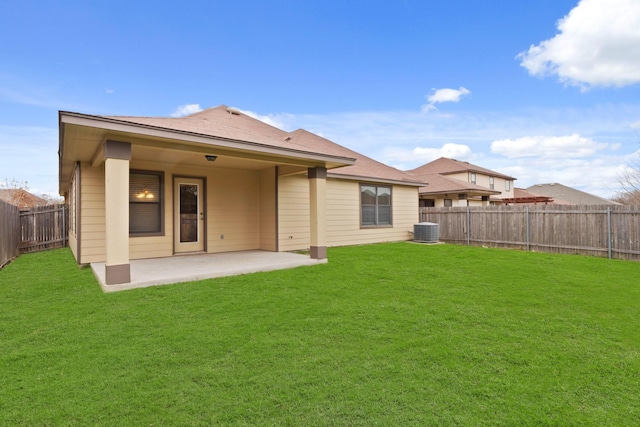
(426, 232)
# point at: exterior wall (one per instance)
(235, 203)
(92, 215)
(72, 201)
(268, 220)
(233, 220)
(483, 180)
(343, 214)
(439, 200)
(293, 213)
(500, 186)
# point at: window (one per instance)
(448, 203)
(473, 177)
(146, 203)
(507, 185)
(491, 183)
(375, 206)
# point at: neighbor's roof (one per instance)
(445, 166)
(232, 124)
(441, 184)
(21, 198)
(364, 167)
(567, 195)
(520, 195)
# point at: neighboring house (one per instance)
(455, 183)
(219, 181)
(21, 198)
(524, 197)
(563, 195)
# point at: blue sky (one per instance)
(543, 90)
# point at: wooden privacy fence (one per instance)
(43, 228)
(9, 232)
(609, 231)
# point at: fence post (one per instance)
(64, 227)
(468, 227)
(609, 230)
(528, 244)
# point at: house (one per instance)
(219, 181)
(522, 196)
(21, 198)
(455, 183)
(563, 195)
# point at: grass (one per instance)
(391, 334)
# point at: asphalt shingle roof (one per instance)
(445, 166)
(231, 123)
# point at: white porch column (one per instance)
(317, 185)
(116, 188)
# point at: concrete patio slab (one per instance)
(187, 268)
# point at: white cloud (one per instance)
(427, 154)
(108, 91)
(444, 95)
(562, 147)
(598, 44)
(185, 110)
(636, 125)
(268, 119)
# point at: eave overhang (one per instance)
(189, 141)
(375, 179)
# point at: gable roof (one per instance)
(364, 167)
(219, 125)
(442, 184)
(567, 195)
(446, 166)
(21, 198)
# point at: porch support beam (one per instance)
(116, 188)
(317, 185)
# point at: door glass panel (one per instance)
(188, 213)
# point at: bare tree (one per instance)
(629, 183)
(14, 184)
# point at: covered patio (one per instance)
(187, 268)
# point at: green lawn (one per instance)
(391, 334)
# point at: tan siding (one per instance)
(343, 215)
(268, 210)
(92, 217)
(293, 212)
(73, 245)
(483, 180)
(72, 199)
(461, 176)
(234, 210)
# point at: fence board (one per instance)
(9, 232)
(44, 227)
(594, 230)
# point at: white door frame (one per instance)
(189, 228)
